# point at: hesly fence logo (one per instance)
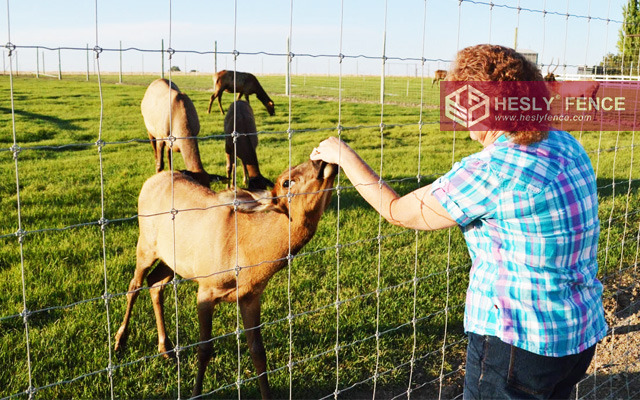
(477, 104)
(513, 106)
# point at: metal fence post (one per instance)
(120, 52)
(87, 62)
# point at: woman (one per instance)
(528, 208)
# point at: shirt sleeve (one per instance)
(469, 191)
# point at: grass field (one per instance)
(67, 267)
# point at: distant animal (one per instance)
(439, 75)
(166, 109)
(268, 227)
(576, 89)
(550, 76)
(245, 146)
(245, 84)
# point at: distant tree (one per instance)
(628, 41)
(175, 68)
(611, 63)
(629, 34)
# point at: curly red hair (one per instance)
(487, 62)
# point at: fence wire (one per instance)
(412, 322)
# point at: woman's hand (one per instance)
(331, 150)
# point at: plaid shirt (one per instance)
(529, 215)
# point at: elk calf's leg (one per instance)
(206, 303)
(250, 310)
(144, 261)
(157, 280)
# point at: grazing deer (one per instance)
(245, 84)
(232, 255)
(440, 75)
(246, 142)
(165, 109)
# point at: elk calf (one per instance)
(245, 84)
(268, 227)
(241, 114)
(167, 110)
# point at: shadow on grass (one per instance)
(606, 187)
(62, 124)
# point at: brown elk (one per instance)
(245, 84)
(227, 253)
(551, 76)
(439, 75)
(578, 89)
(246, 141)
(166, 109)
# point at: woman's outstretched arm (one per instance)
(416, 210)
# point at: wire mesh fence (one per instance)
(364, 309)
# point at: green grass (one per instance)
(57, 126)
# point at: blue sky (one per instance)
(263, 26)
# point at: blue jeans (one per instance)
(497, 370)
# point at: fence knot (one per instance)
(340, 128)
(25, 315)
(11, 47)
(171, 52)
(15, 149)
(103, 222)
(382, 126)
(235, 53)
(106, 296)
(290, 257)
(110, 370)
(174, 212)
(289, 133)
(341, 57)
(291, 55)
(20, 234)
(100, 143)
(97, 49)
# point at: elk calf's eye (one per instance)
(288, 183)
